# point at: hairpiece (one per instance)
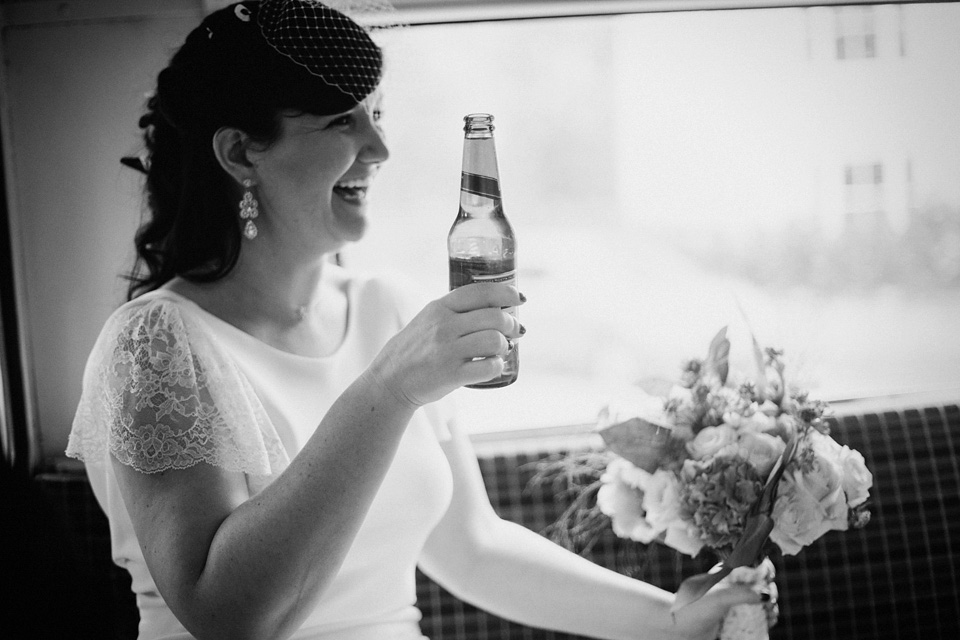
(329, 39)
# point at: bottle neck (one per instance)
(479, 178)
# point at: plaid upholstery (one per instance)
(71, 495)
(898, 578)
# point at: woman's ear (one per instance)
(230, 148)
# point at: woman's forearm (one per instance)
(519, 575)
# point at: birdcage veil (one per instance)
(334, 40)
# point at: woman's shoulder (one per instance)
(150, 301)
(156, 315)
(158, 350)
(153, 306)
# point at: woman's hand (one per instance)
(700, 620)
(456, 340)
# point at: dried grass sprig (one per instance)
(575, 479)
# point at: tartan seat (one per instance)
(896, 579)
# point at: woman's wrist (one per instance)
(381, 389)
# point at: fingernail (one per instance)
(523, 298)
(523, 329)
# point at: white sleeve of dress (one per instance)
(158, 394)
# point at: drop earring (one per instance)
(249, 209)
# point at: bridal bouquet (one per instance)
(724, 463)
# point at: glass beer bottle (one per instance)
(481, 244)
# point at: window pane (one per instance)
(671, 174)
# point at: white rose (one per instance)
(734, 419)
(808, 505)
(710, 440)
(661, 499)
(731, 450)
(621, 498)
(626, 472)
(758, 421)
(798, 518)
(856, 478)
(825, 478)
(761, 450)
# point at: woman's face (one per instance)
(312, 182)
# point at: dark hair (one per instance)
(224, 75)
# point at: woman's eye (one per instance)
(341, 121)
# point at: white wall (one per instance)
(75, 81)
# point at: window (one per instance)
(856, 33)
(669, 174)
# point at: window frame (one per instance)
(20, 421)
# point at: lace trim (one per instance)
(158, 394)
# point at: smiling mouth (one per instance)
(354, 191)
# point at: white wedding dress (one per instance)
(202, 390)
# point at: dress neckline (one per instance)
(253, 341)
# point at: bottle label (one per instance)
(508, 277)
(464, 271)
(480, 185)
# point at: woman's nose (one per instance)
(375, 148)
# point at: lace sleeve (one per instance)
(158, 394)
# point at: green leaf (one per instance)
(694, 587)
(718, 355)
(644, 443)
(769, 496)
(745, 553)
(747, 550)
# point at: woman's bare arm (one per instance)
(518, 574)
